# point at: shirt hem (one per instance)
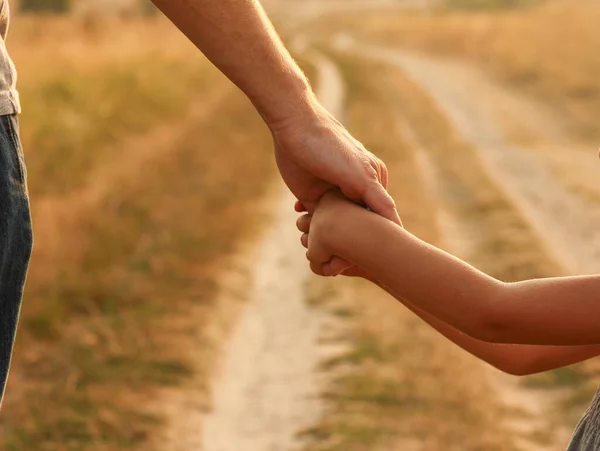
(9, 103)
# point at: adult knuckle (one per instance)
(383, 167)
(389, 200)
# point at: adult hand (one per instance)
(316, 154)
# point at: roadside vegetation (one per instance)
(141, 187)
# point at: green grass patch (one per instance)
(561, 377)
(364, 349)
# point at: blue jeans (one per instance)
(16, 238)
(587, 433)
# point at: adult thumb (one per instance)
(380, 201)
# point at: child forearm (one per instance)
(546, 312)
(518, 360)
(430, 279)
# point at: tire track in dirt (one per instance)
(267, 389)
(461, 239)
(566, 223)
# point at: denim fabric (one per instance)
(587, 433)
(16, 238)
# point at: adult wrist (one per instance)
(294, 108)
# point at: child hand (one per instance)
(332, 268)
(317, 231)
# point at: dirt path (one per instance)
(267, 388)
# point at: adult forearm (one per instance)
(239, 39)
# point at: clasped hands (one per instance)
(327, 169)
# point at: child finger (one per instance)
(317, 268)
(304, 240)
(303, 223)
(336, 266)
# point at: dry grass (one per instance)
(43, 47)
(130, 235)
(92, 93)
(549, 51)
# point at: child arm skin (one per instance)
(518, 360)
(467, 306)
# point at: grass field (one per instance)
(144, 189)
